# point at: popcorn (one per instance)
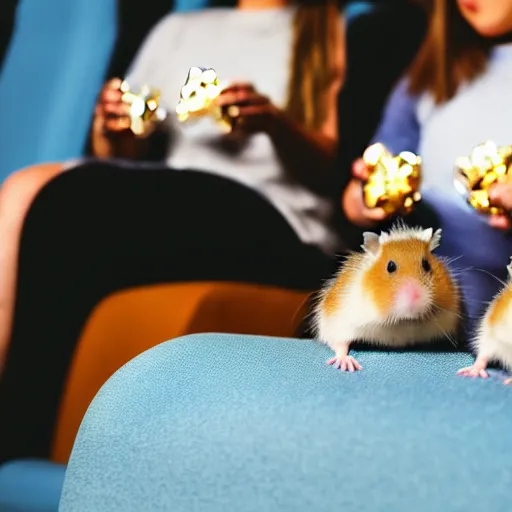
(394, 181)
(145, 109)
(474, 174)
(197, 98)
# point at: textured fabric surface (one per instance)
(30, 486)
(224, 422)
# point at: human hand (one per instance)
(111, 110)
(250, 111)
(352, 200)
(501, 195)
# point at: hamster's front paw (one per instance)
(473, 371)
(345, 363)
(508, 382)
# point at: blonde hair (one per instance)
(316, 63)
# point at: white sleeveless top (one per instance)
(245, 45)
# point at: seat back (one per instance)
(52, 73)
(30, 485)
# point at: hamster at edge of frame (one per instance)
(493, 339)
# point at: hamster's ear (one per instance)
(435, 240)
(371, 243)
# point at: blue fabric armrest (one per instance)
(225, 422)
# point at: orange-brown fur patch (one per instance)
(446, 294)
(408, 255)
(500, 305)
(333, 296)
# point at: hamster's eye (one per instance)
(391, 266)
(426, 265)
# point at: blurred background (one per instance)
(55, 51)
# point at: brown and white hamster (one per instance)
(395, 293)
(493, 340)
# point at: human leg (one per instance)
(16, 195)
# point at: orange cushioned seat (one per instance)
(131, 321)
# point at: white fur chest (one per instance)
(495, 341)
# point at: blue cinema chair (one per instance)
(59, 52)
(31, 486)
(220, 423)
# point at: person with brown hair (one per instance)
(254, 205)
(456, 95)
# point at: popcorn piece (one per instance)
(474, 174)
(394, 181)
(197, 98)
(145, 109)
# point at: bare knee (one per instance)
(20, 188)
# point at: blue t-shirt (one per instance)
(481, 110)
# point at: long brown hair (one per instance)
(453, 53)
(317, 36)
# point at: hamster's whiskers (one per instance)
(439, 309)
(467, 289)
(431, 313)
(456, 272)
(448, 261)
(503, 283)
(447, 335)
(436, 310)
(395, 320)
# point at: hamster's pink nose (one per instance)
(411, 299)
(411, 293)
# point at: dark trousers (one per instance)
(101, 228)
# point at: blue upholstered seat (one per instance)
(225, 422)
(53, 71)
(30, 486)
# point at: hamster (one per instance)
(493, 340)
(395, 293)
